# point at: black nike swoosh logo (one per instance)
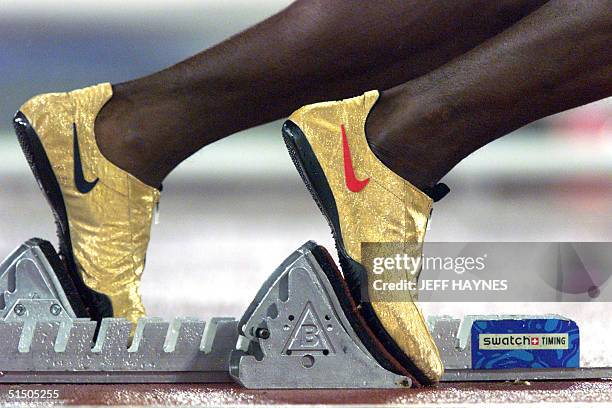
(82, 185)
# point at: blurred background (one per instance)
(224, 227)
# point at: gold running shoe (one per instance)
(365, 202)
(103, 214)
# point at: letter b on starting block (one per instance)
(308, 334)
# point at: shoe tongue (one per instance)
(437, 192)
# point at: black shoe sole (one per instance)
(97, 305)
(355, 274)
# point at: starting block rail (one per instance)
(294, 335)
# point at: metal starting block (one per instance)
(297, 336)
(29, 288)
(294, 335)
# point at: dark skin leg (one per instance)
(556, 58)
(314, 50)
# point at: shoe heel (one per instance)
(98, 305)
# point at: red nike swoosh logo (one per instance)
(355, 185)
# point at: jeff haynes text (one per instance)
(443, 285)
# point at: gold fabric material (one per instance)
(109, 226)
(388, 210)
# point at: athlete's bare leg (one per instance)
(314, 50)
(556, 58)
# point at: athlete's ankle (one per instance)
(125, 141)
(405, 131)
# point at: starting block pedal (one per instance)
(43, 341)
(30, 288)
(293, 335)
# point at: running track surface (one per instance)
(552, 392)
